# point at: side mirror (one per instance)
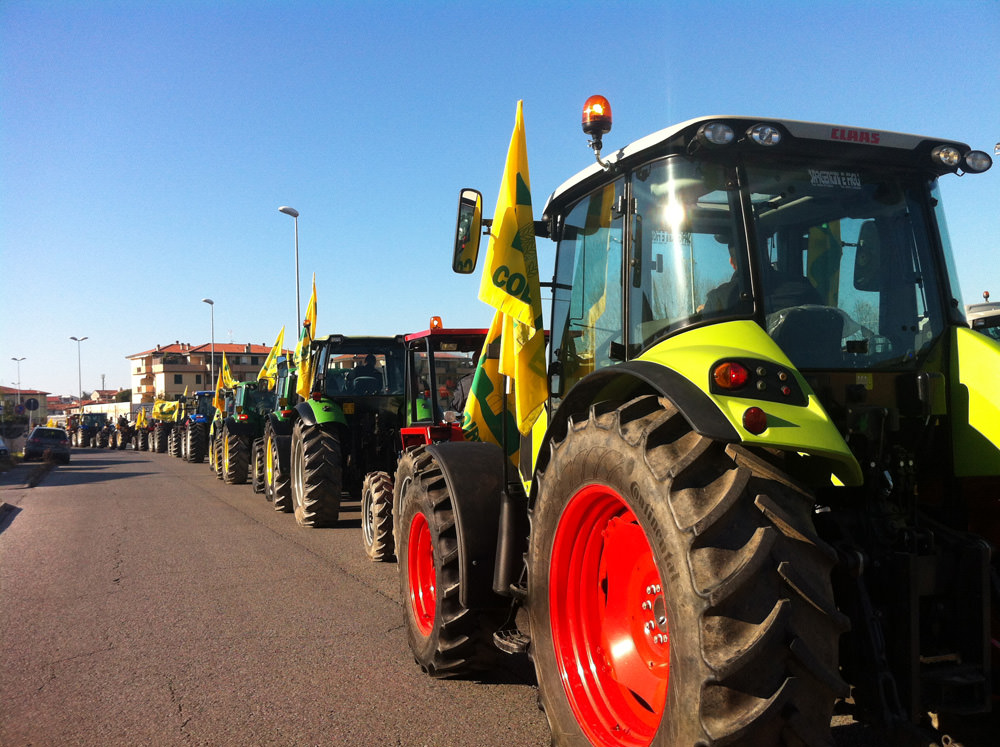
(468, 231)
(867, 260)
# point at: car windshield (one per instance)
(48, 433)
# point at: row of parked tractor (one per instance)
(737, 500)
(372, 402)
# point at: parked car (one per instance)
(47, 442)
(4, 453)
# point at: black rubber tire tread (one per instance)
(405, 468)
(159, 440)
(196, 443)
(753, 626)
(257, 460)
(376, 517)
(217, 456)
(279, 486)
(236, 458)
(174, 443)
(101, 439)
(317, 475)
(461, 641)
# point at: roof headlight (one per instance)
(977, 162)
(715, 133)
(764, 134)
(947, 155)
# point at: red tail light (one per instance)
(730, 375)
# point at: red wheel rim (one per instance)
(609, 620)
(420, 573)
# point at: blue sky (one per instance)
(145, 147)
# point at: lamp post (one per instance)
(295, 214)
(18, 362)
(211, 375)
(79, 369)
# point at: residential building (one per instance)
(166, 371)
(28, 406)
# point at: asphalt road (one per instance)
(142, 601)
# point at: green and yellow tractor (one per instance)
(767, 476)
(349, 425)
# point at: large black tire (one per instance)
(405, 469)
(277, 482)
(196, 446)
(257, 460)
(316, 475)
(235, 458)
(215, 449)
(446, 638)
(174, 442)
(159, 439)
(376, 516)
(700, 562)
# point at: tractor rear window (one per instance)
(358, 369)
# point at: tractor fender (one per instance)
(320, 413)
(279, 426)
(473, 472)
(631, 379)
(244, 428)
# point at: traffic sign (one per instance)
(31, 403)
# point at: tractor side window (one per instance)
(587, 300)
(688, 260)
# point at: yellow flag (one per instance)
(227, 373)
(140, 418)
(302, 348)
(269, 371)
(219, 401)
(484, 412)
(510, 283)
(164, 410)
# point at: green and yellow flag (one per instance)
(302, 348)
(227, 373)
(484, 413)
(165, 410)
(510, 284)
(269, 371)
(219, 401)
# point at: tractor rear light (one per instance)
(715, 133)
(242, 416)
(287, 413)
(316, 396)
(730, 375)
(764, 134)
(755, 420)
(596, 116)
(947, 155)
(977, 162)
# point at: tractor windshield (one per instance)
(360, 368)
(846, 264)
(842, 275)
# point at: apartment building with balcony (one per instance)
(164, 372)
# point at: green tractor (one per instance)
(350, 424)
(440, 364)
(240, 428)
(277, 439)
(767, 476)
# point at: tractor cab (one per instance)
(440, 364)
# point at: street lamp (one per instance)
(79, 369)
(211, 375)
(18, 361)
(295, 214)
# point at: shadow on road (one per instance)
(7, 514)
